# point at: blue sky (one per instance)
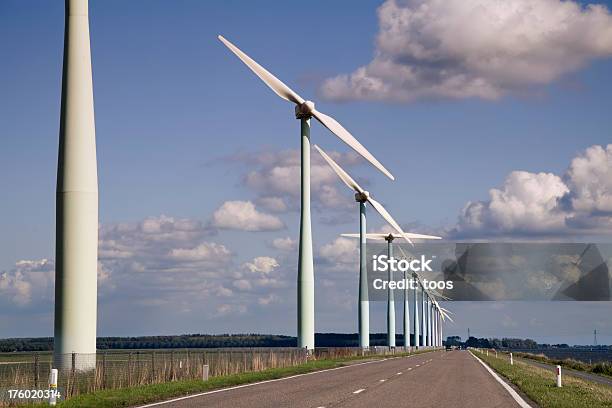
(181, 124)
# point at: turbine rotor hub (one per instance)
(304, 111)
(362, 197)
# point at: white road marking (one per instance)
(383, 380)
(418, 365)
(409, 368)
(508, 388)
(154, 404)
(400, 373)
(359, 390)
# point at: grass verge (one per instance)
(133, 396)
(540, 385)
(602, 368)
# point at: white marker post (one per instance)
(511, 360)
(53, 386)
(559, 376)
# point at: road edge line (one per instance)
(508, 388)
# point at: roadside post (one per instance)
(558, 376)
(511, 360)
(53, 387)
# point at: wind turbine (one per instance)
(444, 313)
(76, 240)
(362, 196)
(304, 110)
(390, 237)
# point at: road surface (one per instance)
(439, 379)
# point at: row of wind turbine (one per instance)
(304, 111)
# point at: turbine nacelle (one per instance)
(362, 196)
(304, 110)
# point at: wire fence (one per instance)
(84, 373)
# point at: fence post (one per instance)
(205, 372)
(129, 369)
(152, 367)
(172, 365)
(104, 369)
(511, 360)
(53, 386)
(188, 362)
(72, 375)
(558, 376)
(36, 377)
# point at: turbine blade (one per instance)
(373, 236)
(385, 214)
(352, 184)
(273, 82)
(344, 135)
(420, 236)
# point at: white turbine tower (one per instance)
(76, 244)
(304, 110)
(362, 196)
(390, 237)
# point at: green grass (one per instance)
(601, 368)
(540, 385)
(144, 394)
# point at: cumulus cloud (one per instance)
(284, 244)
(578, 202)
(274, 204)
(474, 48)
(590, 180)
(242, 215)
(275, 177)
(206, 251)
(340, 254)
(263, 264)
(28, 280)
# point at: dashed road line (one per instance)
(359, 390)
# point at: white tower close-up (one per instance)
(76, 256)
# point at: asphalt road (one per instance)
(440, 379)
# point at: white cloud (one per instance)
(526, 202)
(474, 48)
(274, 204)
(263, 264)
(579, 202)
(242, 284)
(275, 176)
(284, 244)
(266, 300)
(242, 215)
(341, 254)
(29, 281)
(206, 251)
(590, 178)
